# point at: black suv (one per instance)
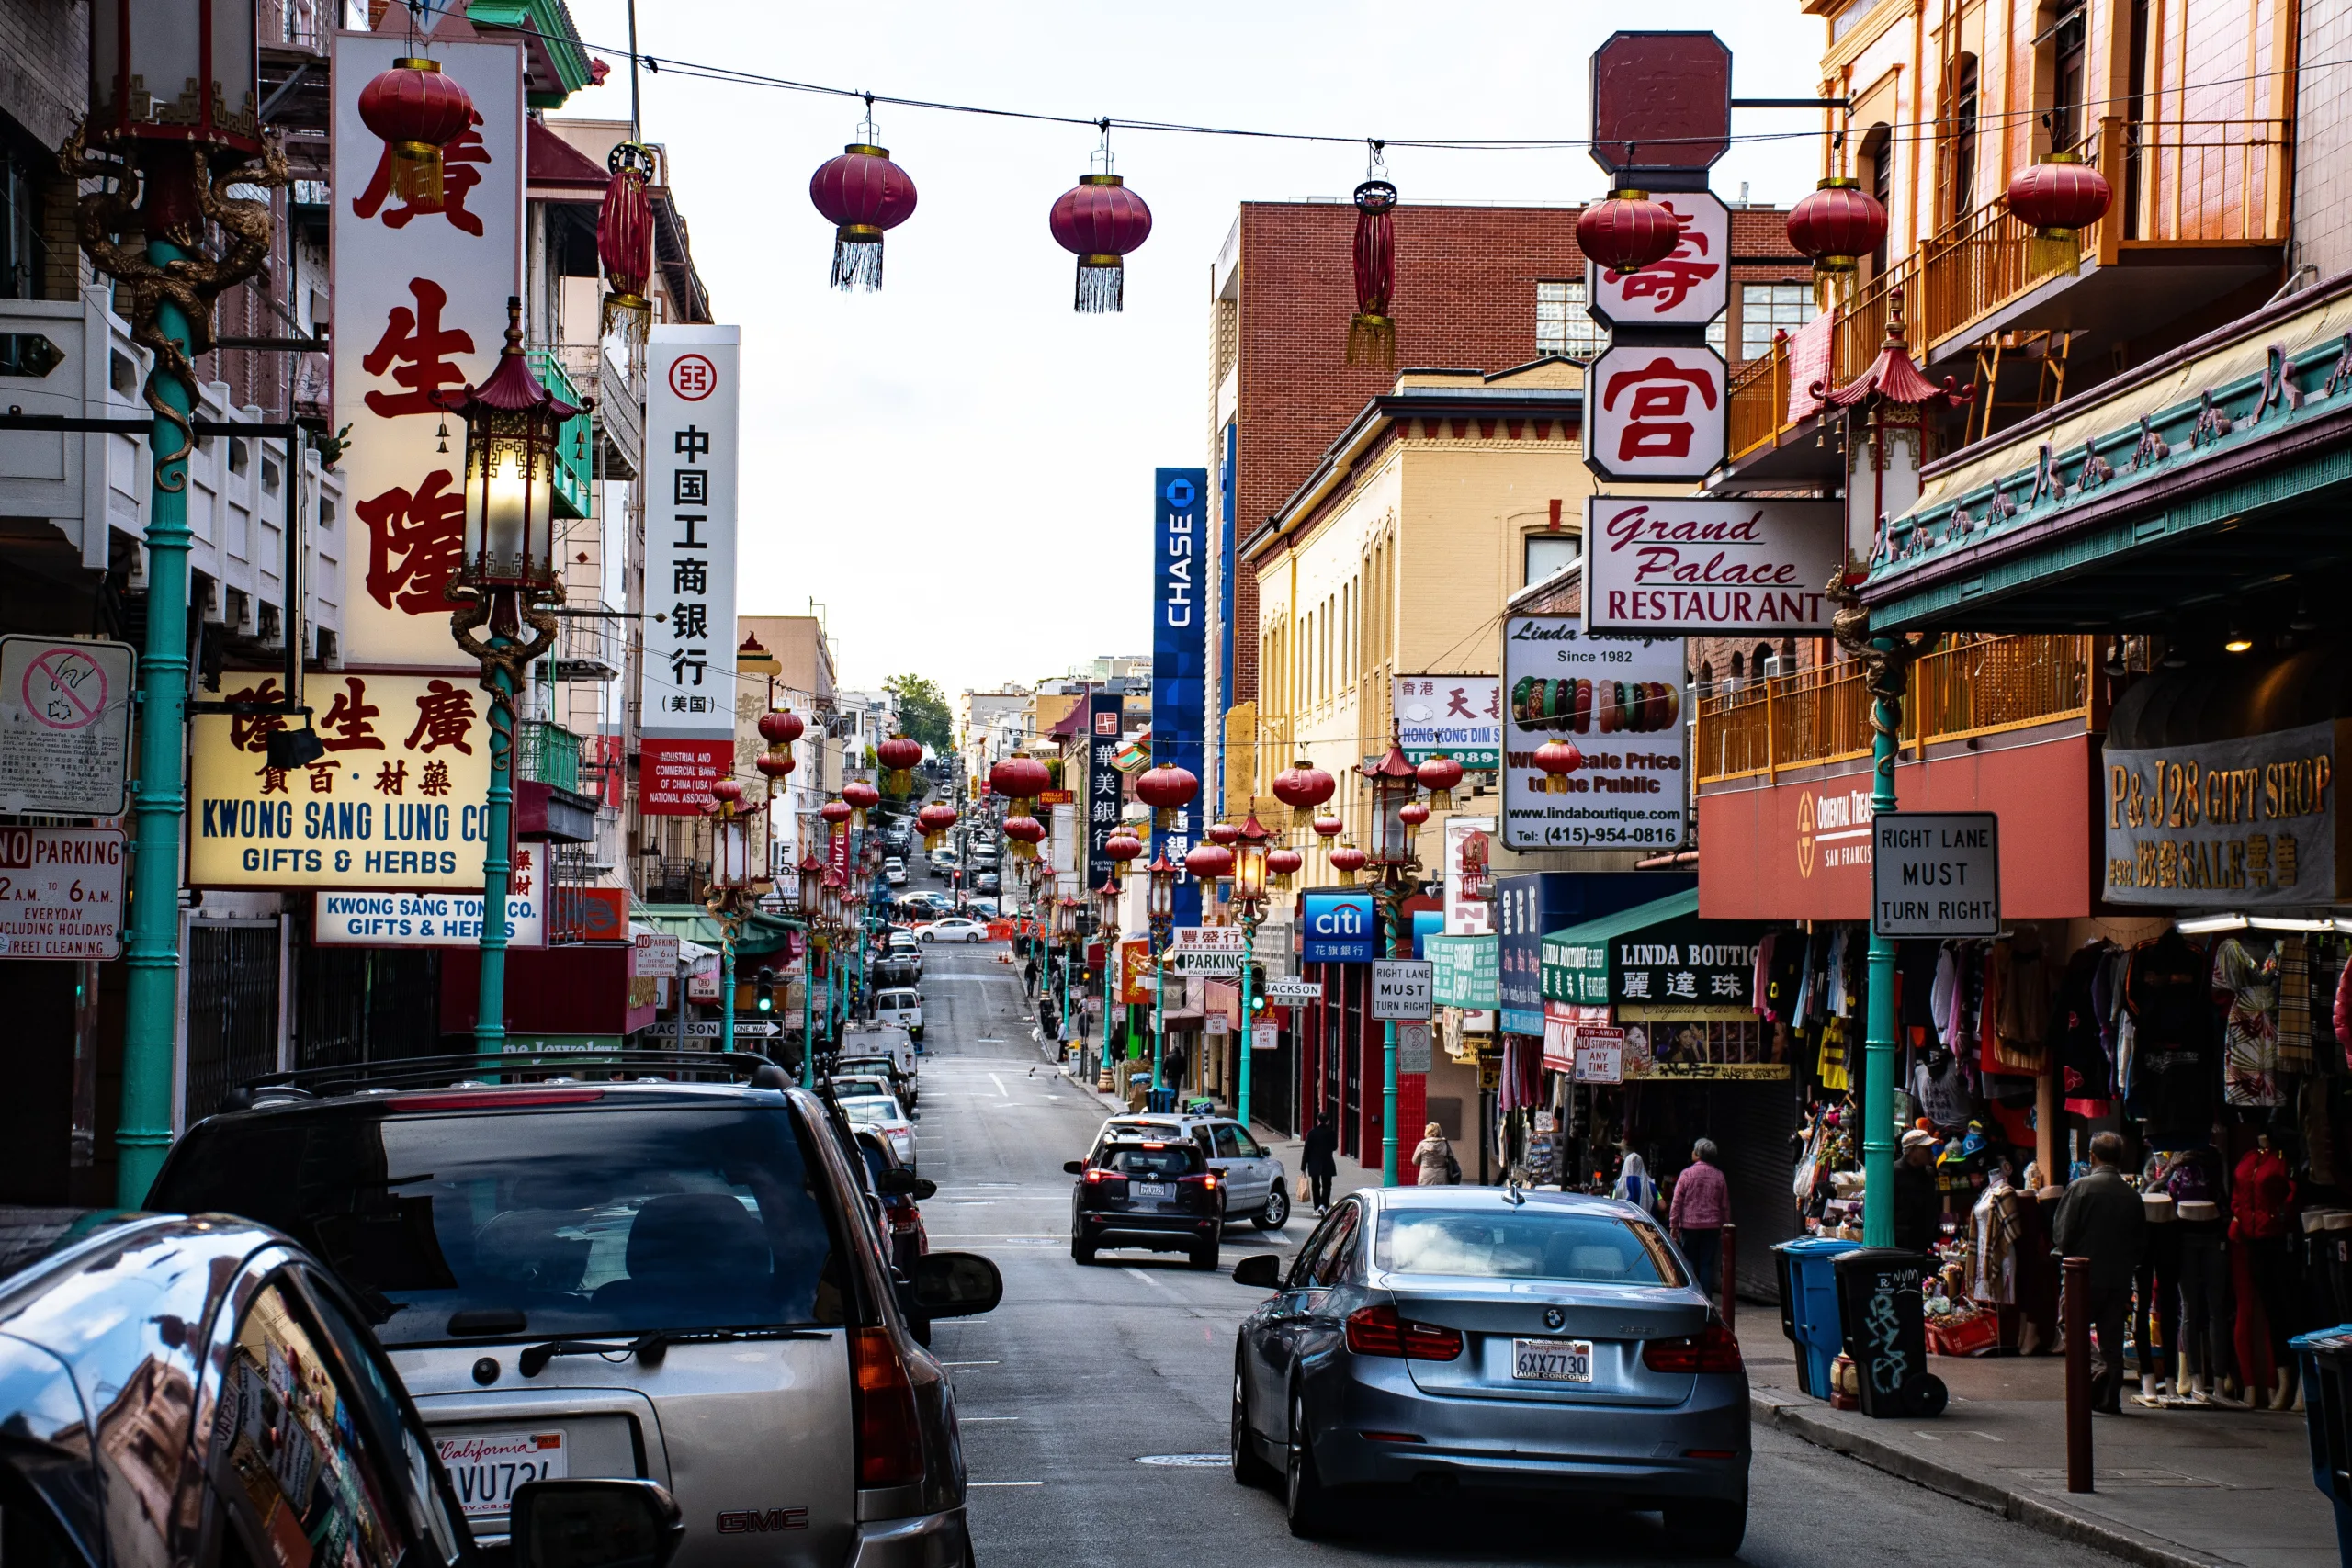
(1160, 1196)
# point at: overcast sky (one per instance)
(958, 467)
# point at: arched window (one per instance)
(1962, 199)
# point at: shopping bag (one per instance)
(1305, 1189)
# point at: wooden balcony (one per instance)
(2200, 208)
(1822, 716)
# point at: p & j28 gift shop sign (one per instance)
(2249, 822)
(1711, 568)
(398, 801)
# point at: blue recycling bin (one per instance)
(1809, 1314)
(2326, 1357)
(1159, 1101)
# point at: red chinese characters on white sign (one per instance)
(1690, 288)
(1654, 413)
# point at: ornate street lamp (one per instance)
(157, 166)
(507, 580)
(1249, 851)
(1395, 815)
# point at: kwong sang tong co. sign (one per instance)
(1712, 568)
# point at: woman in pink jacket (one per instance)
(1701, 1205)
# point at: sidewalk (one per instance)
(2176, 1488)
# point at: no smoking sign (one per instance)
(64, 726)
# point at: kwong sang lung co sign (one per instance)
(1709, 568)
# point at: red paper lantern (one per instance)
(1167, 789)
(1439, 776)
(1329, 825)
(1303, 786)
(781, 727)
(862, 193)
(1372, 331)
(1627, 233)
(418, 111)
(1281, 863)
(1026, 832)
(1122, 846)
(1837, 225)
(860, 795)
(1412, 814)
(1209, 861)
(901, 755)
(728, 793)
(625, 239)
(934, 820)
(776, 764)
(1558, 759)
(835, 812)
(1224, 834)
(2061, 196)
(1348, 860)
(1100, 221)
(1019, 777)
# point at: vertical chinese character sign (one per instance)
(1105, 785)
(420, 300)
(1179, 654)
(692, 392)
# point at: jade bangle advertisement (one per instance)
(1617, 701)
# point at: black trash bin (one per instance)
(1886, 1331)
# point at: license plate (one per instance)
(1158, 1191)
(486, 1467)
(1551, 1360)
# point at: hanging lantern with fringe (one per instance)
(1329, 825)
(862, 195)
(1438, 776)
(781, 727)
(1837, 225)
(861, 797)
(625, 240)
(1372, 331)
(1348, 860)
(1100, 221)
(1207, 863)
(776, 764)
(418, 110)
(1558, 759)
(1167, 789)
(1627, 233)
(1224, 834)
(934, 820)
(1303, 786)
(2060, 197)
(1121, 847)
(1281, 865)
(728, 797)
(1026, 833)
(902, 755)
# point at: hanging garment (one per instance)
(1804, 982)
(1833, 1055)
(1939, 995)
(2023, 1025)
(1941, 1092)
(2247, 976)
(1992, 1226)
(2168, 993)
(2295, 1004)
(1915, 991)
(1841, 993)
(1760, 986)
(2083, 1067)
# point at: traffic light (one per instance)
(1257, 987)
(764, 992)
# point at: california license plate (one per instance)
(1551, 1360)
(486, 1467)
(1156, 1192)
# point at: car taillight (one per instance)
(1206, 1180)
(1096, 1175)
(1713, 1349)
(889, 1437)
(1378, 1331)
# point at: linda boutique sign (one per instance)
(2239, 823)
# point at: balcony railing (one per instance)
(2186, 185)
(1823, 715)
(546, 753)
(575, 471)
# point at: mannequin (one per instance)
(2261, 1198)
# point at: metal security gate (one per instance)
(233, 1015)
(366, 1003)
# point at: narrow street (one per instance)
(1093, 1402)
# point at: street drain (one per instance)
(1187, 1461)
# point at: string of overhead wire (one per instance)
(659, 65)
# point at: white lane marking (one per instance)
(970, 1363)
(967, 1420)
(1000, 1086)
(1154, 1280)
(969, 1484)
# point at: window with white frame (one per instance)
(1561, 324)
(1767, 307)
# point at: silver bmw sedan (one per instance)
(1447, 1340)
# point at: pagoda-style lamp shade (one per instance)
(1249, 861)
(184, 70)
(808, 898)
(1159, 899)
(511, 427)
(731, 851)
(1393, 782)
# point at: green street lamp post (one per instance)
(1159, 907)
(1249, 906)
(1394, 781)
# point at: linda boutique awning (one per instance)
(1682, 987)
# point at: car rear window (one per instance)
(1526, 1244)
(899, 999)
(871, 1108)
(546, 1223)
(1152, 1160)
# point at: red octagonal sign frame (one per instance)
(1668, 93)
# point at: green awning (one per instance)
(1575, 960)
(761, 934)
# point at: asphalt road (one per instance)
(1094, 1400)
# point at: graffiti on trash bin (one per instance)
(1882, 1328)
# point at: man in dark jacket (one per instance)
(2102, 1218)
(1919, 1207)
(1319, 1163)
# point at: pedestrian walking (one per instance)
(1702, 1204)
(1433, 1158)
(2102, 1218)
(1918, 1206)
(1635, 1186)
(1319, 1161)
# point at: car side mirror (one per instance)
(897, 1181)
(1263, 1270)
(595, 1524)
(956, 1284)
(925, 1189)
(1075, 1167)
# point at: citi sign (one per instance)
(1340, 927)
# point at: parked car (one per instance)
(879, 1040)
(883, 1067)
(904, 1237)
(698, 1254)
(954, 928)
(305, 1445)
(893, 871)
(881, 1111)
(1538, 1341)
(981, 908)
(945, 860)
(1155, 1193)
(986, 882)
(1254, 1184)
(893, 971)
(901, 1005)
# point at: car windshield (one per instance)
(899, 999)
(1526, 1244)
(867, 1066)
(871, 1108)
(553, 1223)
(1151, 1163)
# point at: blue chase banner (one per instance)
(1179, 654)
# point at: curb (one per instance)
(2133, 1546)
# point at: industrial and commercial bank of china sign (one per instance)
(693, 386)
(1709, 568)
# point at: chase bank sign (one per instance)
(1340, 927)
